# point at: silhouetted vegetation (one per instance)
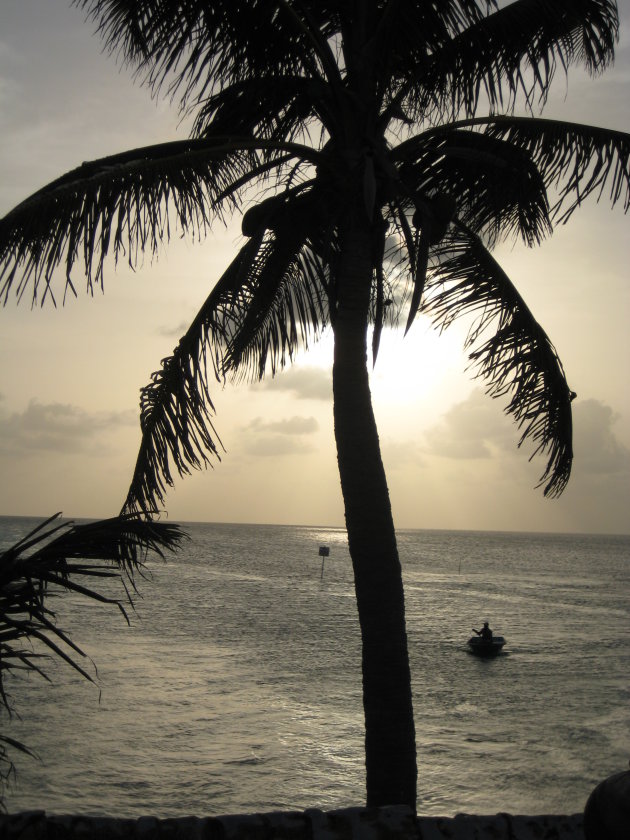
(384, 144)
(59, 557)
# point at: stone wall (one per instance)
(345, 824)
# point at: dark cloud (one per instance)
(310, 383)
(57, 427)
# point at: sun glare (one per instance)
(424, 370)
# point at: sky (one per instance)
(70, 377)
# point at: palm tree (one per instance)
(384, 142)
(61, 557)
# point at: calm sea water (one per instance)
(238, 687)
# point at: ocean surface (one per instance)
(237, 686)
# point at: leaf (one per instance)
(124, 205)
(508, 349)
(496, 188)
(47, 562)
(514, 51)
(576, 161)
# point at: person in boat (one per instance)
(485, 632)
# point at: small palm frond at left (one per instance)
(268, 303)
(54, 559)
(7, 766)
(508, 348)
(58, 557)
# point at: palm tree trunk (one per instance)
(390, 748)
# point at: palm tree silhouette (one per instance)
(384, 140)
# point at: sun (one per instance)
(417, 376)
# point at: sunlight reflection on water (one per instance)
(238, 686)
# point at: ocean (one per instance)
(237, 687)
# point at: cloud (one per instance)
(292, 426)
(279, 437)
(308, 383)
(477, 428)
(401, 454)
(276, 445)
(172, 332)
(472, 429)
(597, 450)
(59, 428)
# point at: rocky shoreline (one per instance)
(396, 823)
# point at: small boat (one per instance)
(483, 647)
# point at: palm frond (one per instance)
(497, 186)
(285, 292)
(508, 348)
(49, 560)
(283, 304)
(405, 34)
(122, 541)
(123, 204)
(176, 407)
(195, 47)
(575, 160)
(431, 24)
(516, 50)
(7, 767)
(274, 109)
(266, 304)
(117, 544)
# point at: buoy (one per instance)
(324, 552)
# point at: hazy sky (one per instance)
(70, 377)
